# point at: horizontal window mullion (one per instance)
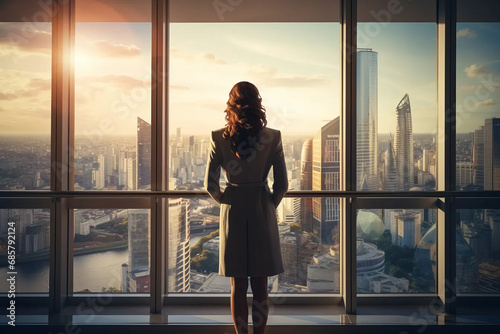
(477, 203)
(300, 193)
(398, 203)
(109, 203)
(28, 203)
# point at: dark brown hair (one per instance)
(245, 117)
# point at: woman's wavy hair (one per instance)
(245, 117)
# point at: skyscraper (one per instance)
(306, 184)
(326, 176)
(100, 176)
(143, 154)
(367, 114)
(403, 145)
(406, 228)
(138, 247)
(478, 157)
(492, 154)
(178, 253)
(390, 176)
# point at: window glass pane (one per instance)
(295, 65)
(25, 98)
(478, 251)
(111, 249)
(310, 247)
(478, 96)
(30, 231)
(112, 96)
(396, 251)
(396, 96)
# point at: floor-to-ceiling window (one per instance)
(294, 60)
(134, 142)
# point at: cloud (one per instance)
(466, 32)
(270, 76)
(123, 82)
(20, 94)
(487, 103)
(40, 84)
(7, 96)
(206, 57)
(106, 49)
(211, 58)
(476, 70)
(26, 37)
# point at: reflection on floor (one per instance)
(283, 319)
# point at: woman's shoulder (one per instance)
(218, 132)
(275, 133)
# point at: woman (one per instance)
(249, 242)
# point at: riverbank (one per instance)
(39, 256)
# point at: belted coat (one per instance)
(249, 238)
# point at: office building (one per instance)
(143, 154)
(367, 118)
(403, 145)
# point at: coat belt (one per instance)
(247, 185)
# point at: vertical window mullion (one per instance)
(60, 143)
(447, 165)
(349, 44)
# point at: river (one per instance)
(92, 271)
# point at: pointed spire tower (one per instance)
(403, 145)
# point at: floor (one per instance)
(289, 319)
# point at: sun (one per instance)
(83, 61)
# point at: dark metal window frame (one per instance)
(61, 199)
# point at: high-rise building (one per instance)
(326, 176)
(131, 173)
(306, 184)
(390, 175)
(178, 137)
(478, 157)
(143, 154)
(465, 173)
(406, 228)
(492, 154)
(366, 118)
(138, 247)
(100, 176)
(403, 145)
(178, 253)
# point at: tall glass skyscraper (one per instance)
(403, 145)
(143, 154)
(492, 154)
(326, 176)
(138, 247)
(367, 115)
(306, 184)
(179, 258)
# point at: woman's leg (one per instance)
(260, 305)
(239, 306)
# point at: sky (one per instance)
(478, 74)
(294, 65)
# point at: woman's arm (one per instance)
(212, 174)
(280, 185)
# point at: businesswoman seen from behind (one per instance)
(246, 149)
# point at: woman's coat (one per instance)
(249, 238)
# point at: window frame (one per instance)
(61, 199)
